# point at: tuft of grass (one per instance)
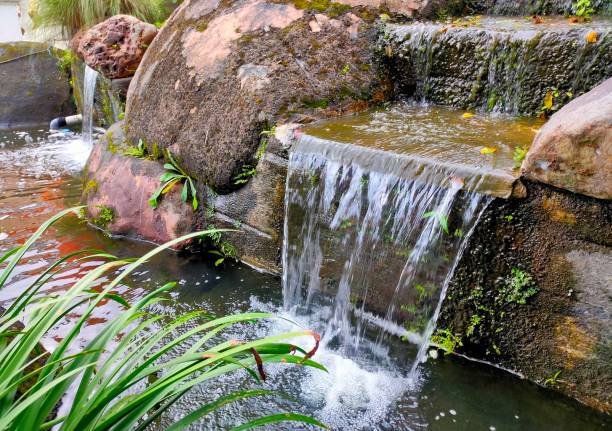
(73, 15)
(124, 378)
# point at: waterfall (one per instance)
(89, 91)
(358, 239)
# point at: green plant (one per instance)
(519, 288)
(552, 379)
(139, 151)
(73, 15)
(124, 377)
(223, 249)
(518, 156)
(442, 219)
(474, 322)
(105, 217)
(446, 341)
(249, 171)
(583, 9)
(173, 176)
(65, 57)
(509, 217)
(91, 185)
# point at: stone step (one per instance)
(499, 63)
(433, 144)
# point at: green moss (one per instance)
(156, 152)
(492, 101)
(332, 9)
(65, 58)
(316, 103)
(91, 185)
(110, 144)
(105, 217)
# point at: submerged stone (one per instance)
(573, 150)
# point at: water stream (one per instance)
(89, 91)
(369, 385)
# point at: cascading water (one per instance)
(89, 90)
(389, 238)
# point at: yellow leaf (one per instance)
(488, 150)
(548, 100)
(467, 115)
(591, 36)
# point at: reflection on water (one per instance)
(41, 175)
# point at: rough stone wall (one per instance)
(218, 75)
(494, 68)
(562, 240)
(34, 89)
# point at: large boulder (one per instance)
(219, 74)
(34, 88)
(573, 150)
(117, 189)
(116, 46)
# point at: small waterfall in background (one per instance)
(394, 241)
(89, 91)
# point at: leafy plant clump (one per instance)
(520, 287)
(105, 217)
(73, 15)
(170, 178)
(123, 378)
(222, 249)
(446, 340)
(518, 156)
(139, 151)
(583, 9)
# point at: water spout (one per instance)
(89, 91)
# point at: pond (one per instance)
(42, 174)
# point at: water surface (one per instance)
(41, 176)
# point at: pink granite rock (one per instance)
(573, 151)
(116, 46)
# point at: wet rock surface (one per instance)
(116, 46)
(34, 89)
(499, 64)
(217, 76)
(573, 150)
(123, 185)
(562, 243)
(540, 7)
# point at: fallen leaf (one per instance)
(591, 36)
(536, 19)
(488, 150)
(467, 115)
(548, 100)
